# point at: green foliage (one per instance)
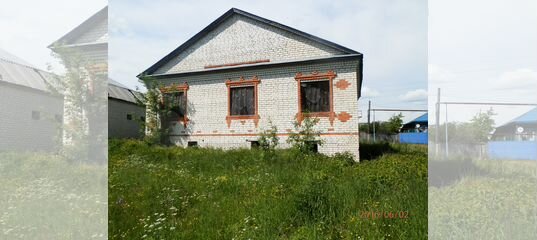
(390, 127)
(268, 138)
(185, 193)
(83, 87)
(154, 131)
(305, 135)
(477, 131)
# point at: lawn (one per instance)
(175, 193)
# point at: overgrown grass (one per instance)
(175, 193)
(43, 196)
(482, 199)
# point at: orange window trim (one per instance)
(316, 76)
(254, 81)
(177, 88)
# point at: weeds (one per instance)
(237, 194)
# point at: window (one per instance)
(36, 115)
(313, 146)
(315, 96)
(175, 103)
(58, 117)
(129, 116)
(254, 144)
(192, 144)
(174, 99)
(242, 101)
(142, 118)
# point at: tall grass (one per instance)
(44, 196)
(175, 193)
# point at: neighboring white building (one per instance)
(125, 116)
(90, 40)
(31, 112)
(241, 71)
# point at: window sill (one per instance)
(242, 117)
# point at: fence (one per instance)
(414, 138)
(512, 150)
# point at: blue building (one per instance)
(516, 140)
(415, 131)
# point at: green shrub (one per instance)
(305, 135)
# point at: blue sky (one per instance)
(392, 35)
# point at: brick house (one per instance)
(243, 70)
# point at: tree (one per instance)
(395, 123)
(482, 125)
(156, 112)
(84, 87)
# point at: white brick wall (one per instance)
(18, 131)
(240, 39)
(277, 100)
(118, 124)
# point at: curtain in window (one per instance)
(242, 101)
(315, 96)
(176, 104)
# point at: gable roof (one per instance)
(70, 38)
(226, 16)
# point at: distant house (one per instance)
(31, 112)
(228, 81)
(124, 114)
(516, 139)
(90, 40)
(415, 131)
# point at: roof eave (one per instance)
(259, 65)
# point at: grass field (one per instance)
(44, 196)
(175, 193)
(482, 199)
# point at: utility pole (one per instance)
(369, 121)
(437, 130)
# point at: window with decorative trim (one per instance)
(242, 100)
(315, 95)
(174, 100)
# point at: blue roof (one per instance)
(529, 117)
(422, 118)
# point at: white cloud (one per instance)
(438, 74)
(368, 92)
(521, 79)
(392, 35)
(418, 95)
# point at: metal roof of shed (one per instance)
(14, 70)
(119, 91)
(422, 118)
